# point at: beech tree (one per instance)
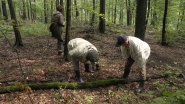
(18, 38)
(140, 19)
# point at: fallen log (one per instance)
(73, 85)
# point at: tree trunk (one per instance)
(154, 14)
(102, 17)
(140, 19)
(115, 11)
(45, 12)
(93, 14)
(28, 9)
(68, 29)
(69, 85)
(129, 14)
(4, 10)
(163, 42)
(18, 38)
(147, 13)
(24, 10)
(57, 2)
(77, 12)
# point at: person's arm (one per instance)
(61, 20)
(125, 54)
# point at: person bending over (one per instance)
(134, 50)
(81, 50)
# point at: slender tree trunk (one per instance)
(148, 13)
(154, 14)
(68, 29)
(163, 42)
(93, 14)
(24, 10)
(5, 14)
(18, 38)
(34, 11)
(140, 19)
(51, 7)
(121, 13)
(28, 9)
(129, 14)
(77, 12)
(45, 12)
(57, 3)
(102, 17)
(115, 11)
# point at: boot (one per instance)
(87, 68)
(78, 76)
(140, 88)
(59, 53)
(126, 73)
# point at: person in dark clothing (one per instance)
(57, 22)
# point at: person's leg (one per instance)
(59, 46)
(142, 80)
(87, 68)
(128, 67)
(76, 69)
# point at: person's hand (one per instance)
(139, 69)
(126, 62)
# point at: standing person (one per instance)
(134, 50)
(81, 50)
(57, 22)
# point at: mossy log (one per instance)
(73, 85)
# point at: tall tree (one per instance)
(148, 13)
(154, 14)
(163, 42)
(129, 14)
(18, 38)
(57, 2)
(93, 14)
(24, 10)
(115, 11)
(28, 8)
(140, 19)
(102, 17)
(68, 29)
(77, 12)
(5, 14)
(45, 12)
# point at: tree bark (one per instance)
(93, 14)
(140, 19)
(69, 85)
(24, 10)
(163, 42)
(45, 12)
(102, 17)
(5, 14)
(68, 29)
(18, 38)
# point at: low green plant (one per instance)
(34, 29)
(167, 97)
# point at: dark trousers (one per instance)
(142, 72)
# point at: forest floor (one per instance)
(39, 61)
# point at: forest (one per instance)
(31, 71)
